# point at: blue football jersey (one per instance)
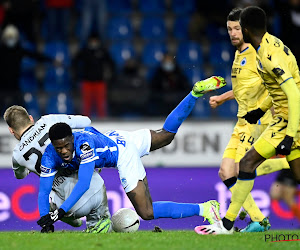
(89, 145)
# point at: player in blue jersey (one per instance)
(89, 149)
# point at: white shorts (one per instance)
(136, 145)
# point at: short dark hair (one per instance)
(253, 18)
(234, 15)
(59, 131)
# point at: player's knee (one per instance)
(222, 174)
(146, 215)
(169, 138)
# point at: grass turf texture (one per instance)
(143, 240)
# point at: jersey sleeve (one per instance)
(278, 68)
(48, 166)
(20, 171)
(74, 121)
(85, 149)
(84, 179)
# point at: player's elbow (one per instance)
(19, 177)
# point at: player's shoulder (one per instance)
(82, 138)
(50, 151)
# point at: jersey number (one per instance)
(37, 152)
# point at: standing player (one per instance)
(278, 68)
(33, 139)
(89, 149)
(249, 92)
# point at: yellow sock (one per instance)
(251, 207)
(239, 195)
(272, 165)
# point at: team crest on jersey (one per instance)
(244, 61)
(278, 71)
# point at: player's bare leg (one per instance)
(228, 169)
(160, 138)
(141, 200)
(164, 136)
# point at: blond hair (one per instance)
(16, 117)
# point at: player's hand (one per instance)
(214, 101)
(284, 147)
(253, 116)
(50, 218)
(48, 229)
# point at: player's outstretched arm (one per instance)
(74, 121)
(44, 192)
(84, 179)
(217, 100)
(292, 92)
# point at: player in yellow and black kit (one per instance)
(278, 68)
(249, 92)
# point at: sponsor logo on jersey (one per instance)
(278, 71)
(45, 170)
(244, 61)
(85, 147)
(32, 137)
(87, 155)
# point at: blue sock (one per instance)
(180, 113)
(169, 209)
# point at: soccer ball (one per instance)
(125, 220)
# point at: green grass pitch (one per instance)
(145, 240)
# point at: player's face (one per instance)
(64, 148)
(235, 33)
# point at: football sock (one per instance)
(169, 209)
(272, 165)
(228, 224)
(249, 204)
(180, 113)
(243, 187)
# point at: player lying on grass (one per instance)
(33, 139)
(249, 92)
(83, 151)
(279, 70)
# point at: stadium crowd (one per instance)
(122, 54)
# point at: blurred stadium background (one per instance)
(143, 31)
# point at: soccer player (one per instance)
(249, 92)
(278, 68)
(33, 139)
(285, 188)
(83, 151)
